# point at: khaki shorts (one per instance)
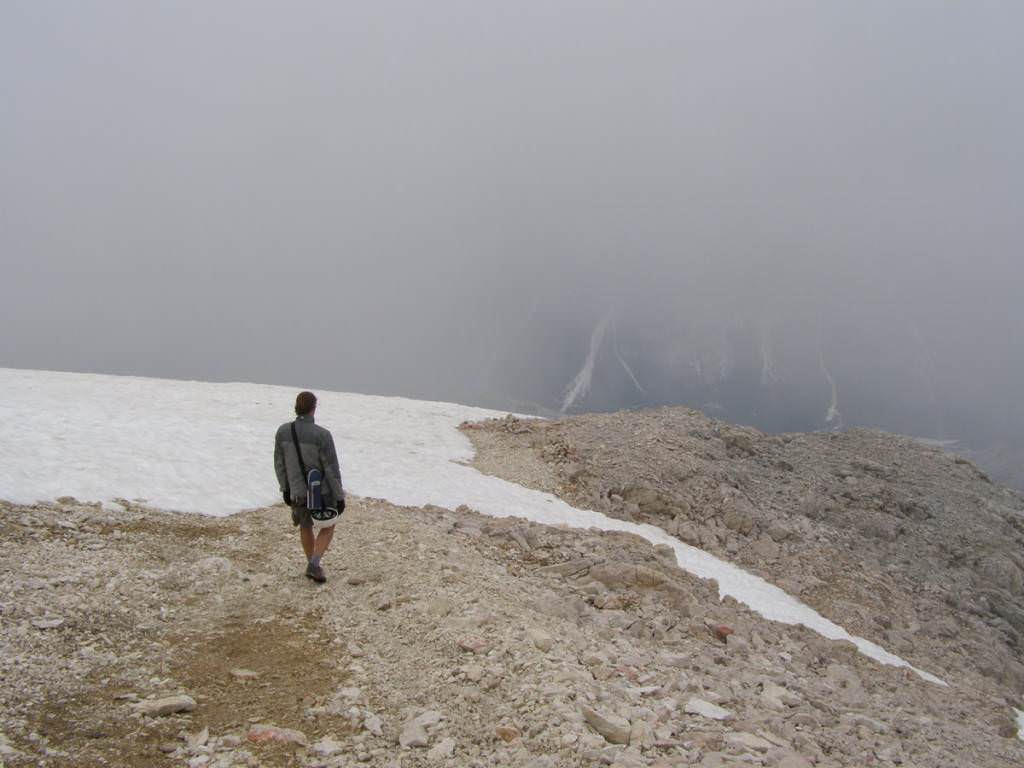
(301, 517)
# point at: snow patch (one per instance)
(622, 361)
(832, 416)
(208, 448)
(768, 373)
(580, 385)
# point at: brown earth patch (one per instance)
(294, 663)
(288, 656)
(185, 530)
(95, 728)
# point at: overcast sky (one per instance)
(443, 199)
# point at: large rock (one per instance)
(50, 622)
(442, 750)
(748, 741)
(541, 639)
(259, 734)
(640, 735)
(373, 724)
(777, 698)
(198, 740)
(696, 706)
(648, 500)
(327, 748)
(414, 732)
(413, 735)
(474, 644)
(721, 631)
(789, 759)
(619, 575)
(738, 514)
(165, 706)
(613, 728)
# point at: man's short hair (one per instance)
(305, 403)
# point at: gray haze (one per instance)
(444, 200)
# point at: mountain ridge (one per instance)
(836, 518)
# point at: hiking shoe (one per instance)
(316, 573)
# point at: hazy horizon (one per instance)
(819, 203)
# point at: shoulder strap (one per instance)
(298, 451)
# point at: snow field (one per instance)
(208, 448)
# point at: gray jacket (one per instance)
(318, 451)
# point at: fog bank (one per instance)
(761, 203)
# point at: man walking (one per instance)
(317, 446)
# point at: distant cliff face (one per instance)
(783, 378)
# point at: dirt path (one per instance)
(441, 638)
(151, 603)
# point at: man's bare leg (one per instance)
(306, 535)
(323, 541)
(315, 546)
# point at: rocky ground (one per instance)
(131, 637)
(910, 547)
